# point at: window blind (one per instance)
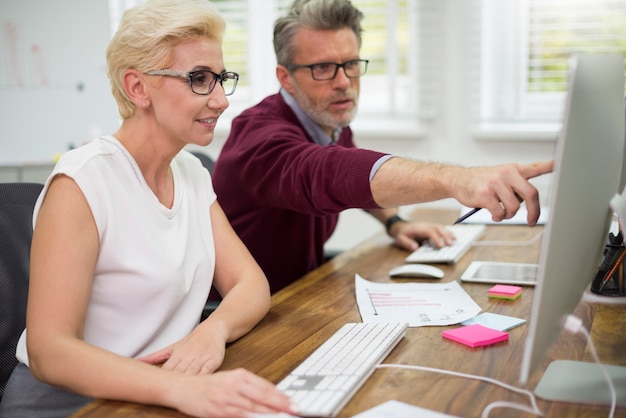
(399, 37)
(558, 28)
(526, 45)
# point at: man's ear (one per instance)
(284, 78)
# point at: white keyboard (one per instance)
(466, 235)
(326, 380)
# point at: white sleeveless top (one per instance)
(155, 265)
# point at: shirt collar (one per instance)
(313, 129)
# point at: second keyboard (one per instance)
(466, 235)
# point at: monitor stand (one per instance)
(581, 382)
(591, 297)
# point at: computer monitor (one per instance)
(587, 174)
(622, 182)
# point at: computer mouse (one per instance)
(417, 270)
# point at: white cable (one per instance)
(575, 325)
(535, 409)
(509, 243)
(505, 404)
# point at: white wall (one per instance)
(54, 92)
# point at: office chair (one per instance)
(214, 297)
(17, 201)
(206, 160)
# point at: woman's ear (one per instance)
(134, 85)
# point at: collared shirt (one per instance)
(317, 133)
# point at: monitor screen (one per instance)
(587, 174)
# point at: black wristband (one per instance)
(392, 220)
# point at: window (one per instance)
(390, 88)
(526, 45)
(394, 38)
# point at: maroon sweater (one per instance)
(283, 193)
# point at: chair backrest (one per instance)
(205, 159)
(17, 201)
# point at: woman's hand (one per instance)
(201, 352)
(234, 393)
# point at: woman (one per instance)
(129, 237)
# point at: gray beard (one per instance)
(322, 118)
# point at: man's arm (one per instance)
(500, 189)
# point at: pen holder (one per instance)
(609, 279)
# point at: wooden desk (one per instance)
(306, 313)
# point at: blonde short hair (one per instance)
(147, 35)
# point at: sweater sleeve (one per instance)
(282, 168)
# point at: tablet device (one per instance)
(501, 273)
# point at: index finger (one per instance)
(535, 169)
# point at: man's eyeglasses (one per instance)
(328, 70)
(203, 82)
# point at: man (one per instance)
(289, 166)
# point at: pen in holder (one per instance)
(609, 279)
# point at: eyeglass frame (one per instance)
(231, 75)
(292, 67)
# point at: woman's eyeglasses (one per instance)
(203, 82)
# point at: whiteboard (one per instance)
(54, 92)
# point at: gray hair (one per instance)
(317, 15)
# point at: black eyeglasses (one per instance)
(203, 82)
(328, 70)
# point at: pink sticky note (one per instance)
(475, 335)
(504, 291)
